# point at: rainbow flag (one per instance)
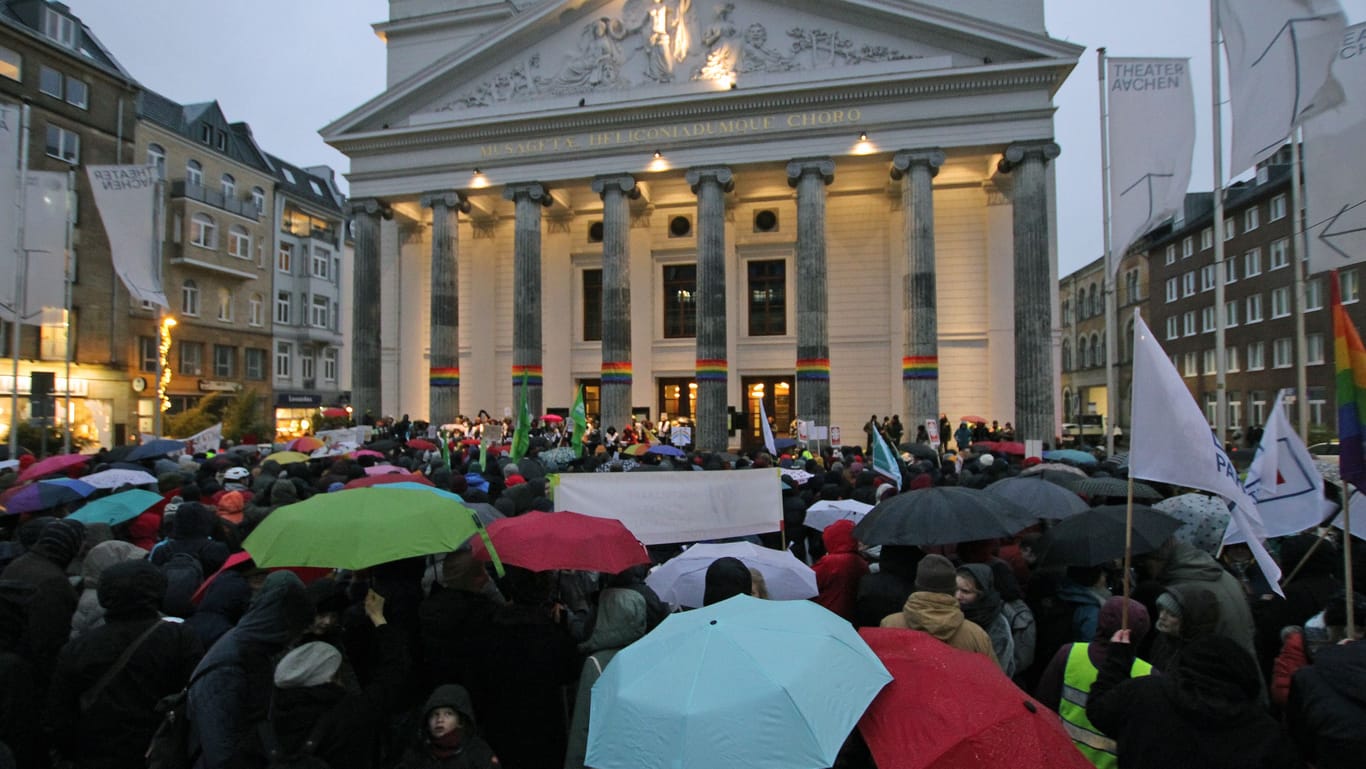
(813, 369)
(711, 369)
(616, 372)
(920, 367)
(526, 375)
(1349, 361)
(444, 377)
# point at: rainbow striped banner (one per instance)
(813, 369)
(1349, 360)
(616, 372)
(439, 376)
(919, 367)
(527, 375)
(712, 369)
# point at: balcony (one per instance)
(243, 208)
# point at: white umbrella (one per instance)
(115, 478)
(682, 580)
(826, 511)
(9, 464)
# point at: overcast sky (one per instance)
(288, 67)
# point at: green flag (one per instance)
(445, 447)
(578, 414)
(521, 437)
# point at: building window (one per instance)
(229, 187)
(1065, 308)
(1187, 247)
(1317, 402)
(156, 157)
(1350, 287)
(1280, 302)
(1313, 348)
(318, 316)
(1254, 309)
(307, 366)
(149, 359)
(1252, 263)
(1313, 295)
(1207, 277)
(224, 361)
(1210, 364)
(203, 231)
(330, 364)
(258, 199)
(194, 173)
(1098, 343)
(1230, 229)
(1172, 290)
(1235, 409)
(322, 262)
(1278, 208)
(254, 361)
(1171, 254)
(63, 144)
(77, 93)
(224, 305)
(1256, 356)
(1231, 313)
(289, 175)
(1067, 353)
(284, 258)
(591, 292)
(1282, 353)
(239, 242)
(50, 82)
(1191, 365)
(1280, 254)
(1231, 359)
(189, 298)
(59, 28)
(1131, 287)
(1173, 328)
(1188, 284)
(680, 301)
(11, 64)
(257, 314)
(1230, 271)
(767, 297)
(284, 353)
(1188, 323)
(191, 358)
(1207, 319)
(282, 307)
(1252, 219)
(1207, 238)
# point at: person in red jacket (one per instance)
(838, 571)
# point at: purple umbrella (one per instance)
(41, 496)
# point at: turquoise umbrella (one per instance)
(1071, 455)
(117, 508)
(743, 684)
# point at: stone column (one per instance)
(616, 190)
(711, 185)
(1034, 386)
(916, 170)
(530, 197)
(365, 313)
(810, 176)
(443, 377)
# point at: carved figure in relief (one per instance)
(758, 57)
(598, 62)
(668, 39)
(721, 45)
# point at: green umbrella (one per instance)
(117, 508)
(359, 528)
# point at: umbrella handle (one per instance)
(488, 545)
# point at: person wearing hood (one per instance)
(726, 577)
(933, 609)
(280, 492)
(54, 602)
(449, 738)
(981, 603)
(839, 571)
(1205, 712)
(884, 591)
(110, 726)
(89, 614)
(1182, 565)
(191, 533)
(230, 690)
(621, 622)
(1183, 615)
(1084, 589)
(1327, 704)
(223, 603)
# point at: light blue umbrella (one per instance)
(745, 683)
(1070, 455)
(117, 508)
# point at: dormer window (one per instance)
(60, 28)
(289, 175)
(222, 141)
(206, 134)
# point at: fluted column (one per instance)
(711, 185)
(443, 378)
(530, 197)
(1027, 162)
(365, 304)
(810, 176)
(916, 170)
(616, 191)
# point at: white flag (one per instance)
(1172, 443)
(46, 209)
(10, 131)
(768, 431)
(1284, 481)
(205, 440)
(1152, 136)
(125, 196)
(1333, 139)
(1279, 57)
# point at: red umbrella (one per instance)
(544, 541)
(950, 709)
(469, 441)
(376, 480)
(1005, 447)
(421, 444)
(552, 418)
(309, 574)
(54, 464)
(335, 413)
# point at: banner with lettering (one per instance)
(1152, 137)
(1333, 138)
(205, 440)
(125, 197)
(1280, 53)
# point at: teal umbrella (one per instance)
(117, 508)
(360, 528)
(744, 683)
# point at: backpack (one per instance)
(170, 745)
(184, 574)
(303, 758)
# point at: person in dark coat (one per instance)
(191, 533)
(20, 727)
(452, 616)
(1050, 687)
(1305, 595)
(113, 730)
(1183, 614)
(1205, 712)
(449, 738)
(1326, 713)
(839, 571)
(230, 689)
(726, 577)
(225, 601)
(886, 591)
(54, 601)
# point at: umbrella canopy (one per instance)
(1043, 468)
(783, 444)
(552, 418)
(541, 541)
(306, 444)
(1097, 536)
(826, 511)
(117, 508)
(78, 485)
(951, 709)
(41, 496)
(636, 449)
(1036, 494)
(920, 450)
(421, 444)
(287, 457)
(382, 480)
(153, 449)
(942, 515)
(361, 528)
(1015, 448)
(385, 469)
(487, 513)
(1071, 455)
(1114, 487)
(116, 477)
(744, 683)
(54, 464)
(1204, 519)
(335, 413)
(972, 420)
(682, 579)
(664, 449)
(556, 459)
(366, 453)
(383, 444)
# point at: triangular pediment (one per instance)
(567, 55)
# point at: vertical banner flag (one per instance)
(521, 435)
(1333, 138)
(1279, 56)
(1171, 442)
(768, 431)
(1349, 361)
(1152, 138)
(885, 460)
(126, 199)
(578, 416)
(10, 130)
(46, 209)
(205, 440)
(1284, 481)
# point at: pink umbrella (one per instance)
(367, 453)
(306, 444)
(56, 464)
(385, 470)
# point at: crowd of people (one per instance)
(440, 662)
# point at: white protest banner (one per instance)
(1334, 195)
(932, 430)
(677, 507)
(1284, 481)
(205, 440)
(1279, 57)
(10, 131)
(1171, 442)
(125, 198)
(834, 435)
(680, 435)
(1152, 136)
(46, 209)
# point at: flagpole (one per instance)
(1347, 556)
(1128, 551)
(66, 297)
(21, 285)
(1298, 252)
(1220, 353)
(1111, 301)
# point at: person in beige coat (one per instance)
(933, 609)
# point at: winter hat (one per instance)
(131, 589)
(884, 491)
(61, 540)
(936, 574)
(1170, 603)
(986, 460)
(922, 481)
(1111, 615)
(511, 468)
(513, 479)
(311, 664)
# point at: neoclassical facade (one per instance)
(835, 208)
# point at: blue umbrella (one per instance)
(77, 485)
(742, 683)
(117, 508)
(1070, 455)
(664, 449)
(152, 449)
(41, 496)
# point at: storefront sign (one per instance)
(214, 386)
(298, 400)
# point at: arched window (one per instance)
(239, 242)
(1127, 343)
(203, 231)
(229, 187)
(189, 298)
(1084, 353)
(1066, 404)
(156, 157)
(1095, 301)
(1098, 342)
(1066, 355)
(194, 173)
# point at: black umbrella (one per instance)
(920, 450)
(1040, 497)
(119, 453)
(152, 449)
(940, 516)
(1114, 487)
(384, 444)
(1097, 536)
